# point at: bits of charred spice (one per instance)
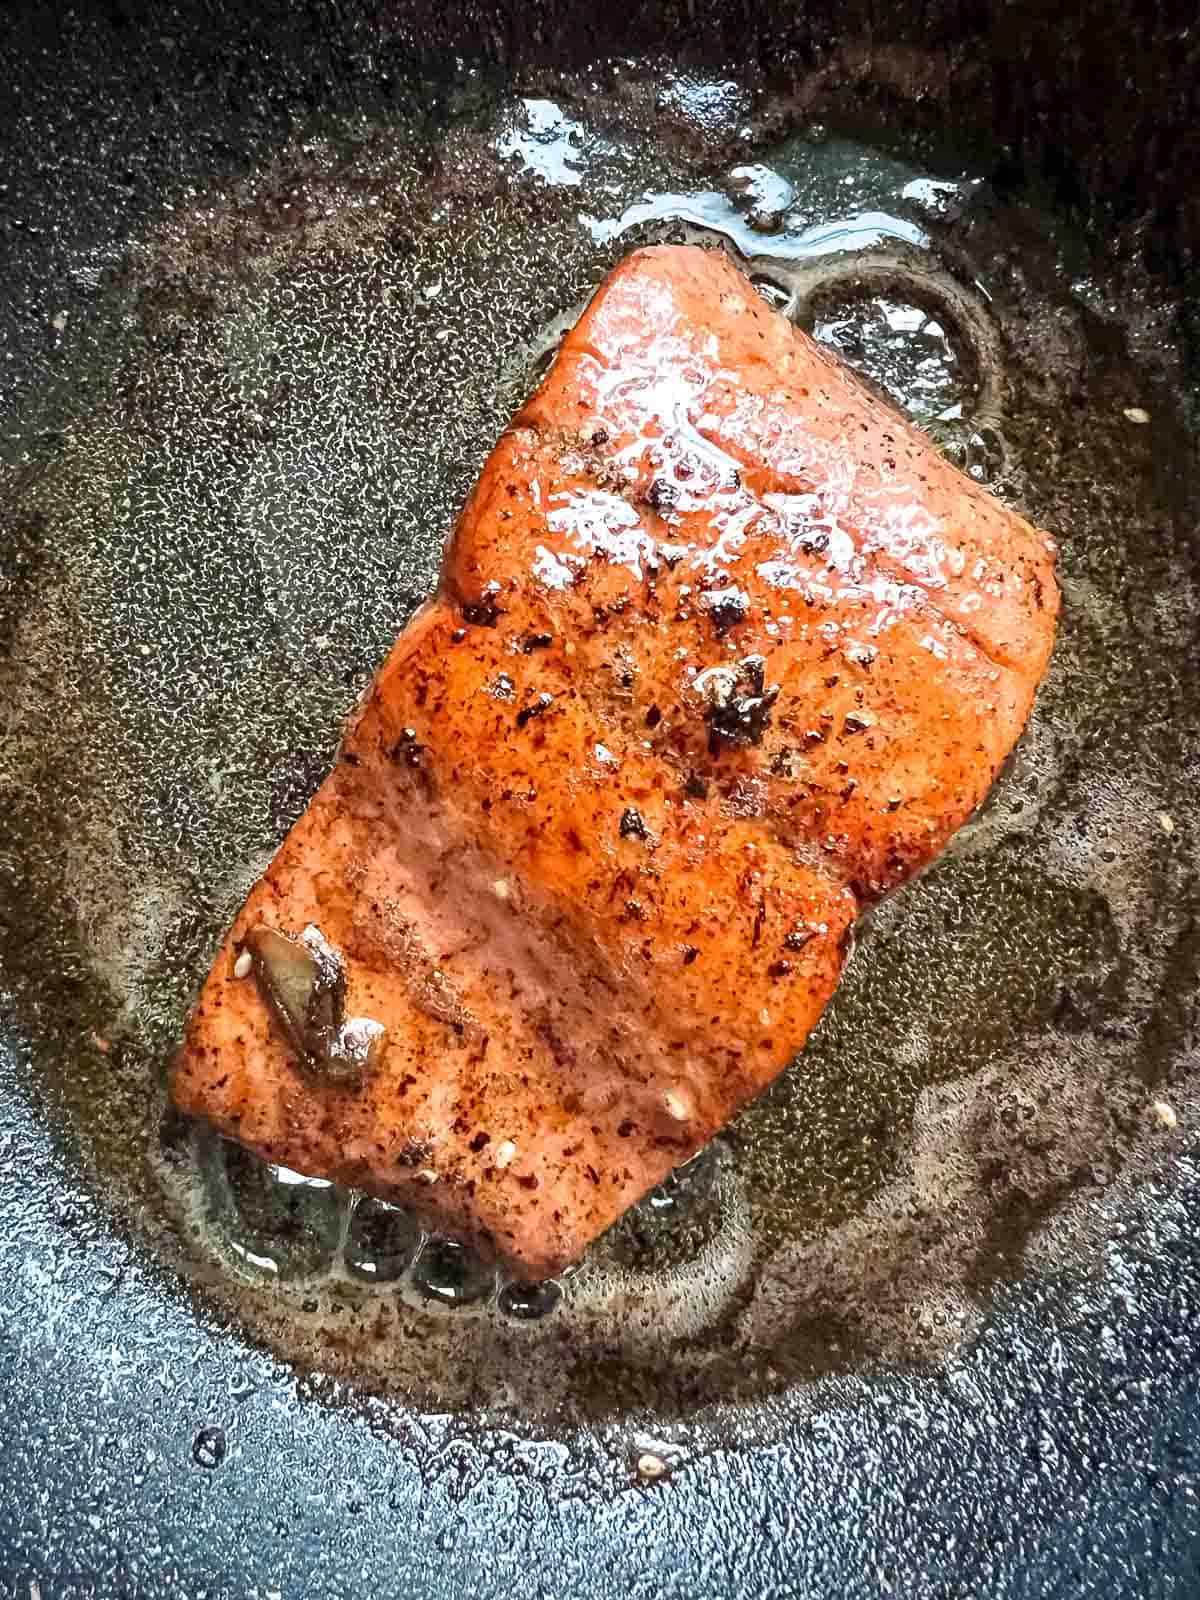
(633, 824)
(484, 612)
(737, 703)
(407, 750)
(536, 708)
(726, 608)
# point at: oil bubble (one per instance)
(275, 1220)
(529, 1302)
(676, 1221)
(778, 294)
(905, 349)
(382, 1241)
(209, 1448)
(452, 1275)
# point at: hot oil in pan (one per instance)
(221, 526)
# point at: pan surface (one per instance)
(924, 1321)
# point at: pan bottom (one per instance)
(284, 396)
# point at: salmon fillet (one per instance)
(723, 652)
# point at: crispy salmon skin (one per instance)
(723, 651)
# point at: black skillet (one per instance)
(145, 1447)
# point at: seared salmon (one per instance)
(723, 652)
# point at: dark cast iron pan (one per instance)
(150, 1440)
